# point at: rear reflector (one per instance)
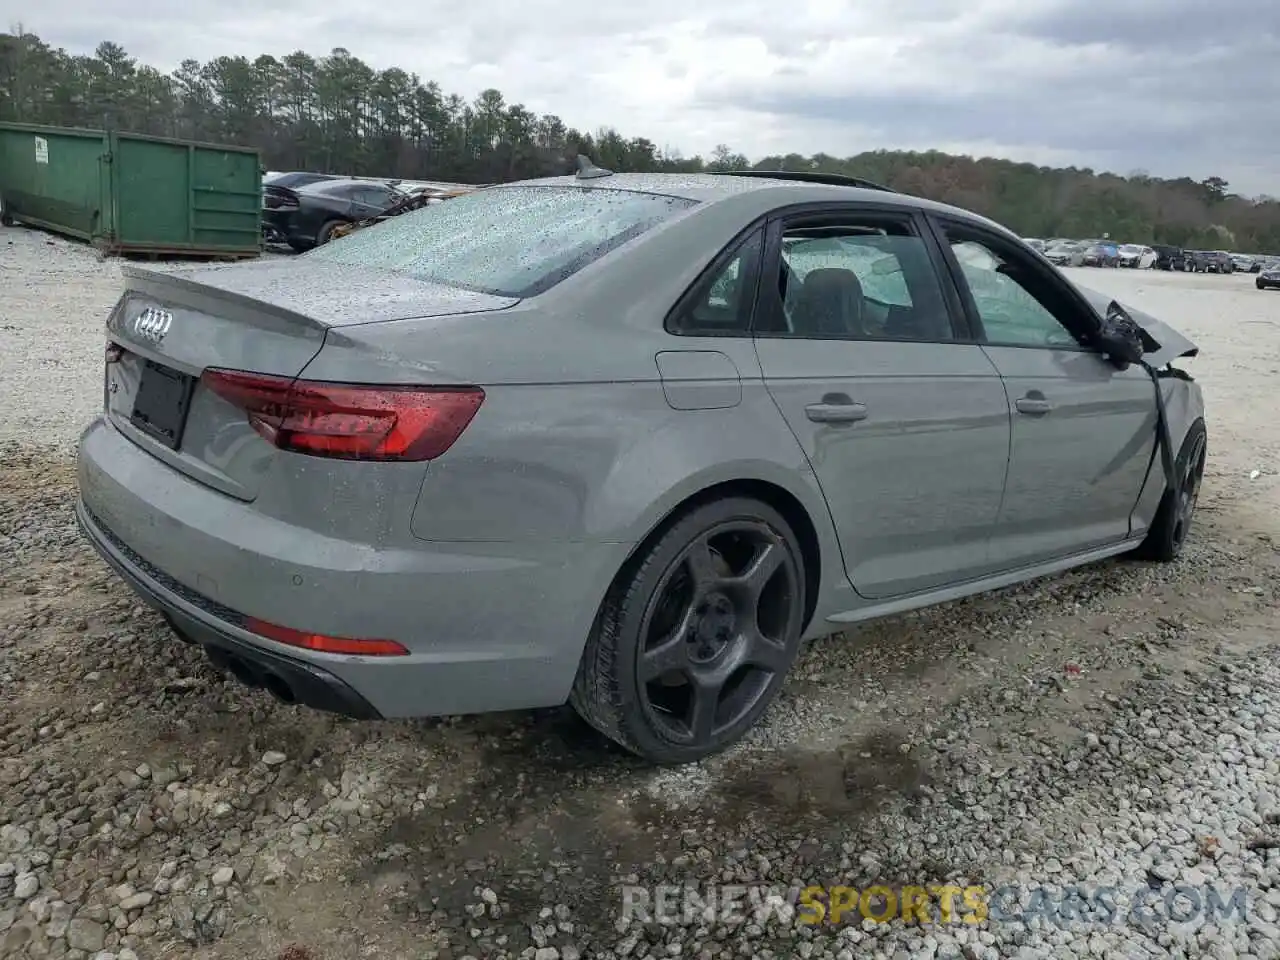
(322, 644)
(349, 421)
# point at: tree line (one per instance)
(337, 114)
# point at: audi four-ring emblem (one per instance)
(152, 324)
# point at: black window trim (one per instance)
(685, 303)
(938, 224)
(962, 329)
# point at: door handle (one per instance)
(1034, 406)
(839, 412)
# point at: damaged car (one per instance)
(623, 441)
(312, 214)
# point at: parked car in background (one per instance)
(433, 468)
(1269, 277)
(1242, 263)
(1101, 253)
(1214, 261)
(1034, 243)
(1065, 253)
(307, 216)
(1169, 257)
(1136, 256)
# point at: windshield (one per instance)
(509, 241)
(1131, 248)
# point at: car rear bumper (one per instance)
(488, 626)
(286, 678)
(284, 224)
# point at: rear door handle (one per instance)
(836, 412)
(1034, 406)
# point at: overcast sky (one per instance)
(1173, 87)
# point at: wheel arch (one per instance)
(768, 492)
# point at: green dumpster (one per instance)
(127, 194)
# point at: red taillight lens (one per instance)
(349, 422)
(323, 644)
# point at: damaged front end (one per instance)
(1162, 344)
(1128, 336)
(407, 204)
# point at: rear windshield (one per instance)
(509, 241)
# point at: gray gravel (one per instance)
(1112, 729)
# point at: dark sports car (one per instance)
(307, 216)
(1269, 277)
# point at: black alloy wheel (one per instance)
(1189, 484)
(692, 645)
(1171, 527)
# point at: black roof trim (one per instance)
(811, 176)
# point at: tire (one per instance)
(659, 594)
(326, 232)
(1168, 533)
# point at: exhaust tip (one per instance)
(243, 672)
(277, 687)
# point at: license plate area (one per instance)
(160, 406)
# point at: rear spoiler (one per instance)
(281, 196)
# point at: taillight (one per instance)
(349, 421)
(324, 644)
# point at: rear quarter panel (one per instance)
(575, 440)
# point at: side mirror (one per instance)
(1119, 338)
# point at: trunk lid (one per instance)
(269, 317)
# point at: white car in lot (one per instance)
(1065, 253)
(1136, 256)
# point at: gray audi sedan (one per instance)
(620, 440)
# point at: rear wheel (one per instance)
(1172, 524)
(326, 232)
(696, 636)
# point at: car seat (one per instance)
(829, 304)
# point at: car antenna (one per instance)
(589, 171)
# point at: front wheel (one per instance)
(1172, 523)
(696, 635)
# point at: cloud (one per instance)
(1170, 86)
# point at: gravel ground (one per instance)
(1113, 729)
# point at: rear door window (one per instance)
(509, 241)
(867, 276)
